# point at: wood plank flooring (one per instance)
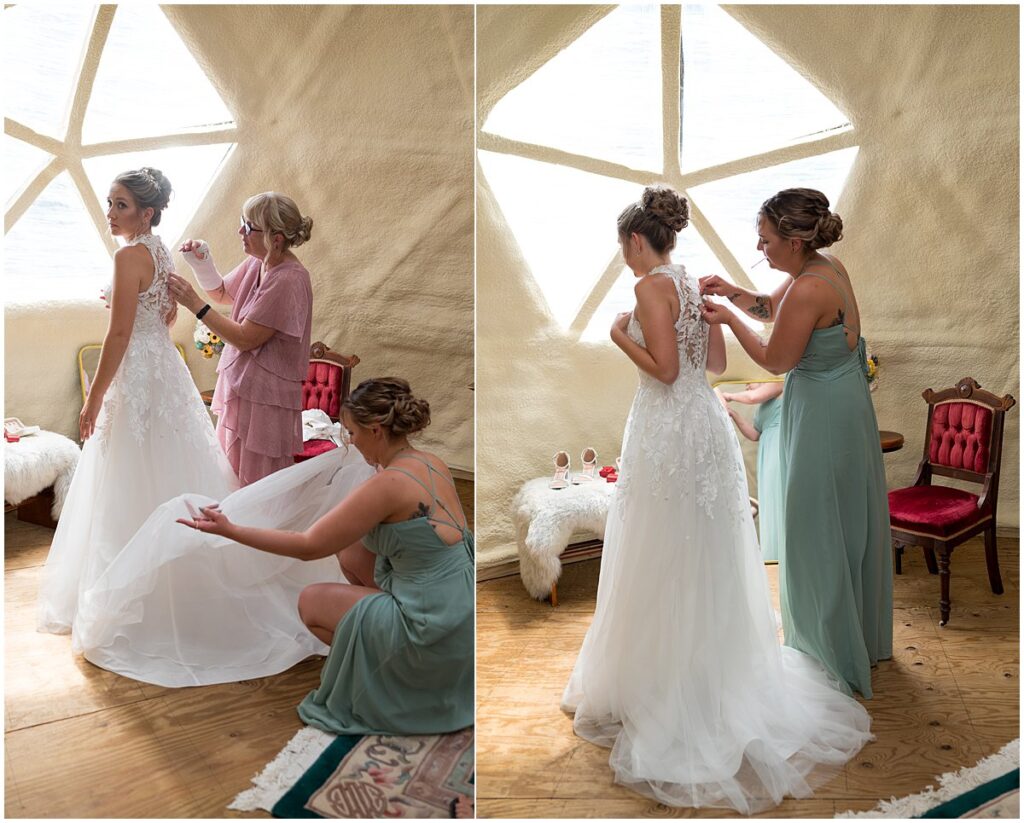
(83, 742)
(949, 697)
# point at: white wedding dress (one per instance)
(157, 601)
(681, 673)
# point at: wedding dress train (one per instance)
(681, 673)
(153, 600)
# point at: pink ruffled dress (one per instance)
(258, 399)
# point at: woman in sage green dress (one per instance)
(401, 631)
(765, 432)
(835, 560)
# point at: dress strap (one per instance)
(846, 302)
(431, 489)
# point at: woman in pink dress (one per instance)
(258, 399)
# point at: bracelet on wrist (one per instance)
(202, 312)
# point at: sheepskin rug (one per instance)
(37, 461)
(546, 519)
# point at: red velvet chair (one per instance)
(963, 440)
(327, 384)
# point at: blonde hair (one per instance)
(389, 403)
(659, 215)
(277, 213)
(803, 214)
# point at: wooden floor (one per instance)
(83, 742)
(948, 698)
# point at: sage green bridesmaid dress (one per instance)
(402, 661)
(835, 562)
(767, 420)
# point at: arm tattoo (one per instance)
(422, 510)
(733, 296)
(762, 308)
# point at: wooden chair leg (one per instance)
(943, 586)
(929, 561)
(992, 560)
(897, 551)
(554, 595)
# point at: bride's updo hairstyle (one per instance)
(277, 213)
(388, 402)
(149, 188)
(660, 214)
(803, 214)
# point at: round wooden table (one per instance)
(891, 441)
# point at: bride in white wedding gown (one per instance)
(139, 595)
(681, 673)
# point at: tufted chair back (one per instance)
(328, 380)
(964, 437)
(961, 436)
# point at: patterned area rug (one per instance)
(324, 775)
(991, 789)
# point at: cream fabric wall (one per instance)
(364, 115)
(931, 211)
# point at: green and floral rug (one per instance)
(323, 775)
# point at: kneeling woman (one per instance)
(401, 631)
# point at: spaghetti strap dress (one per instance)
(835, 563)
(401, 661)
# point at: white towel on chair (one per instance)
(316, 425)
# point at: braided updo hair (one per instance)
(660, 214)
(149, 188)
(803, 214)
(388, 402)
(277, 213)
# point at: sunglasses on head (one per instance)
(248, 227)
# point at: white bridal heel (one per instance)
(561, 478)
(589, 472)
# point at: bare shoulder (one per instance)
(411, 461)
(654, 285)
(134, 262)
(824, 265)
(133, 255)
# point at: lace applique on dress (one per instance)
(679, 431)
(153, 386)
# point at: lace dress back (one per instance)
(681, 672)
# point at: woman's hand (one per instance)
(190, 245)
(209, 519)
(183, 292)
(721, 398)
(87, 418)
(618, 330)
(717, 285)
(716, 313)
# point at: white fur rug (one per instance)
(546, 519)
(37, 461)
(952, 784)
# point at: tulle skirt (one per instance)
(178, 607)
(681, 673)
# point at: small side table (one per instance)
(891, 441)
(207, 397)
